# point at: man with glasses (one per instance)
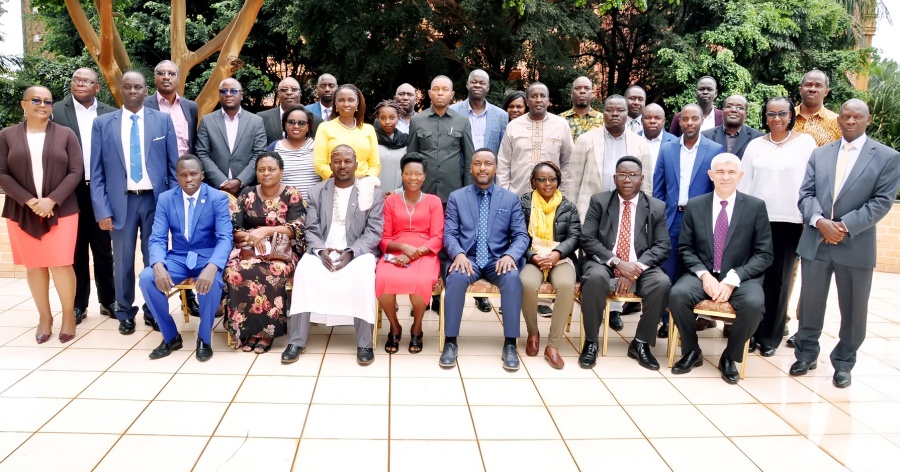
(710, 116)
(325, 88)
(406, 98)
(133, 157)
(229, 140)
(733, 134)
(813, 118)
(488, 121)
(288, 94)
(78, 111)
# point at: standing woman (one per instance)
(296, 149)
(391, 143)
(346, 126)
(40, 166)
(515, 104)
(774, 166)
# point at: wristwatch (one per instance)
(615, 261)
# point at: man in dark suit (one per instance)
(706, 93)
(624, 238)
(733, 134)
(485, 234)
(81, 108)
(289, 94)
(198, 219)
(839, 237)
(725, 246)
(229, 140)
(133, 156)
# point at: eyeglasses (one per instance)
(289, 90)
(297, 123)
(736, 107)
(234, 92)
(83, 82)
(780, 114)
(544, 180)
(164, 73)
(629, 175)
(37, 101)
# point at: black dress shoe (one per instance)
(663, 332)
(703, 323)
(688, 362)
(193, 306)
(841, 379)
(483, 304)
(107, 311)
(365, 355)
(126, 327)
(790, 341)
(151, 322)
(510, 357)
(753, 345)
(765, 351)
(80, 314)
(630, 307)
(726, 330)
(588, 357)
(166, 348)
(291, 353)
(729, 370)
(801, 368)
(615, 320)
(204, 351)
(545, 311)
(641, 352)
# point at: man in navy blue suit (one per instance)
(133, 156)
(199, 221)
(485, 234)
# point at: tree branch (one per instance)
(85, 29)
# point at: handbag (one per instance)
(279, 250)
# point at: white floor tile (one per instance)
(243, 454)
(251, 420)
(513, 422)
(434, 456)
(341, 455)
(427, 391)
(599, 455)
(179, 418)
(594, 422)
(346, 422)
(53, 452)
(201, 388)
(431, 423)
(181, 452)
(537, 456)
(96, 416)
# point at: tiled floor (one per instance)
(100, 404)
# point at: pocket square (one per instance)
(501, 210)
(159, 138)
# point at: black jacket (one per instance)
(566, 228)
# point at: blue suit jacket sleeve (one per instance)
(224, 230)
(159, 237)
(659, 176)
(451, 227)
(99, 198)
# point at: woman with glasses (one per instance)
(555, 229)
(296, 149)
(774, 166)
(40, 166)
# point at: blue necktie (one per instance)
(190, 217)
(481, 250)
(135, 147)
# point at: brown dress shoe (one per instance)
(552, 356)
(532, 345)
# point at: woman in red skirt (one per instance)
(40, 165)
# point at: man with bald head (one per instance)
(850, 185)
(325, 88)
(229, 140)
(406, 97)
(734, 134)
(581, 117)
(653, 123)
(288, 94)
(488, 121)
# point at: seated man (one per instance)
(334, 283)
(725, 246)
(485, 234)
(198, 218)
(624, 236)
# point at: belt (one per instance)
(681, 208)
(138, 192)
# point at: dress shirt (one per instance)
(187, 205)
(634, 124)
(632, 256)
(852, 156)
(731, 278)
(231, 131)
(821, 125)
(709, 121)
(479, 126)
(144, 183)
(653, 145)
(179, 120)
(579, 125)
(687, 167)
(403, 125)
(730, 139)
(85, 118)
(613, 149)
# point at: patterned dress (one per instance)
(256, 288)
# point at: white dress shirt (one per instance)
(85, 118)
(731, 278)
(144, 183)
(709, 121)
(653, 145)
(634, 124)
(479, 127)
(613, 150)
(187, 204)
(852, 156)
(686, 168)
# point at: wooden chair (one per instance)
(625, 298)
(436, 290)
(710, 310)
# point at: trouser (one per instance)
(510, 297)
(92, 241)
(139, 217)
(159, 301)
(299, 327)
(777, 282)
(562, 277)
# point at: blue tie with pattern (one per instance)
(481, 250)
(191, 260)
(135, 149)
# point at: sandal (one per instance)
(392, 344)
(261, 348)
(250, 344)
(415, 343)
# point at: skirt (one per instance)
(54, 249)
(335, 298)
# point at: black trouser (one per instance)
(90, 236)
(777, 282)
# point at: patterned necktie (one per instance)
(135, 149)
(839, 170)
(190, 216)
(623, 245)
(481, 250)
(719, 235)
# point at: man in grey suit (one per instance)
(288, 94)
(733, 134)
(229, 140)
(839, 236)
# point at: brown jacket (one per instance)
(63, 170)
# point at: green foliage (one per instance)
(884, 103)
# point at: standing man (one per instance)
(710, 116)
(325, 88)
(582, 118)
(288, 94)
(849, 187)
(488, 122)
(405, 96)
(229, 140)
(653, 121)
(133, 157)
(733, 134)
(636, 98)
(78, 111)
(813, 118)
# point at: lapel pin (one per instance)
(203, 201)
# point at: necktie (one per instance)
(190, 217)
(481, 251)
(135, 150)
(719, 235)
(623, 245)
(839, 170)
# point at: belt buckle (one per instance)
(681, 208)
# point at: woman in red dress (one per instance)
(413, 236)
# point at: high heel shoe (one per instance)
(64, 338)
(42, 338)
(392, 344)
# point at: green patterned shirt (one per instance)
(580, 125)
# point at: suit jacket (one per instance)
(667, 175)
(272, 123)
(364, 228)
(497, 119)
(316, 109)
(745, 135)
(108, 162)
(666, 136)
(211, 235)
(190, 112)
(507, 233)
(566, 228)
(583, 176)
(675, 127)
(64, 114)
(601, 229)
(212, 148)
(748, 245)
(864, 199)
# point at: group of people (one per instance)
(309, 214)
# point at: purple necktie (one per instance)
(719, 235)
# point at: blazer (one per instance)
(601, 229)
(582, 178)
(666, 136)
(63, 170)
(364, 228)
(316, 109)
(865, 198)
(667, 175)
(212, 148)
(64, 114)
(748, 245)
(507, 233)
(675, 127)
(272, 123)
(497, 119)
(566, 228)
(108, 162)
(745, 135)
(211, 236)
(190, 112)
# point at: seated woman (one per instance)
(413, 236)
(555, 229)
(257, 292)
